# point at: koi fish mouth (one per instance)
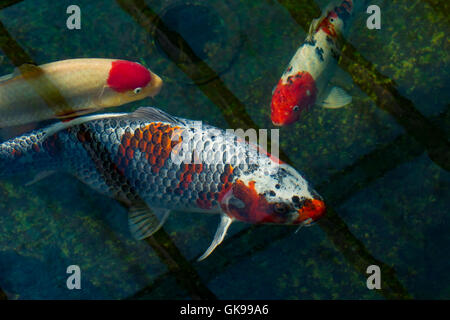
(312, 211)
(283, 115)
(281, 123)
(278, 123)
(155, 84)
(292, 97)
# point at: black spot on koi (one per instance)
(319, 52)
(289, 69)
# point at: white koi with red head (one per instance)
(69, 88)
(128, 81)
(305, 81)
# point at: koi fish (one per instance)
(139, 159)
(70, 88)
(305, 82)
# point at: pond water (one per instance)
(380, 163)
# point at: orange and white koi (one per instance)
(305, 82)
(69, 88)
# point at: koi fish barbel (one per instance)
(70, 88)
(139, 159)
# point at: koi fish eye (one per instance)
(298, 203)
(296, 108)
(137, 90)
(281, 208)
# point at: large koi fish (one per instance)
(152, 163)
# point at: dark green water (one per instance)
(381, 163)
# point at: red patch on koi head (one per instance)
(327, 24)
(313, 209)
(291, 98)
(127, 75)
(244, 203)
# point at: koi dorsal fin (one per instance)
(313, 27)
(143, 221)
(67, 124)
(152, 114)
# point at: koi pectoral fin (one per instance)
(40, 176)
(225, 222)
(143, 221)
(313, 26)
(336, 98)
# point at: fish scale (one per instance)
(153, 163)
(147, 168)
